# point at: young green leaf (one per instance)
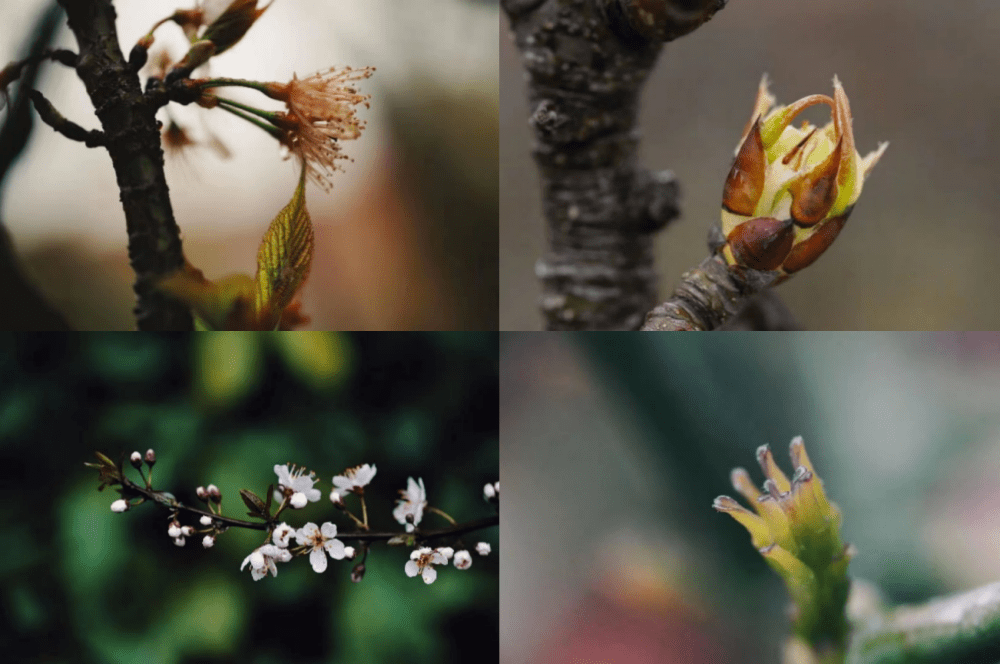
(256, 505)
(284, 259)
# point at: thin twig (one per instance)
(47, 112)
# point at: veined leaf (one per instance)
(284, 259)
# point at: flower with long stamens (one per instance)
(797, 530)
(320, 115)
(790, 189)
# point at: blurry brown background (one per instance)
(404, 241)
(918, 252)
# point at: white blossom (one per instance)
(489, 493)
(174, 530)
(205, 520)
(179, 541)
(208, 542)
(410, 508)
(422, 562)
(299, 483)
(262, 561)
(187, 531)
(320, 540)
(119, 505)
(483, 548)
(463, 560)
(281, 534)
(354, 479)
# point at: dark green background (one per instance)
(81, 584)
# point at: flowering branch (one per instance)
(295, 490)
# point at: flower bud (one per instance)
(208, 542)
(463, 560)
(150, 457)
(187, 531)
(358, 573)
(202, 493)
(233, 23)
(119, 506)
(336, 499)
(136, 460)
(483, 548)
(298, 500)
(349, 552)
(174, 530)
(214, 494)
(206, 520)
(791, 189)
(489, 493)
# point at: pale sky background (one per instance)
(71, 189)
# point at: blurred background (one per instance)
(618, 444)
(81, 584)
(917, 253)
(404, 240)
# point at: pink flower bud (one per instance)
(150, 456)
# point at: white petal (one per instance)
(299, 500)
(411, 568)
(329, 530)
(312, 495)
(318, 560)
(257, 573)
(430, 574)
(335, 548)
(257, 560)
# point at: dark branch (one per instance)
(50, 116)
(708, 296)
(419, 534)
(133, 142)
(586, 68)
(27, 309)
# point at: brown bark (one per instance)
(133, 141)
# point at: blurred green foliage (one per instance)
(82, 584)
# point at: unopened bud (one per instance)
(298, 500)
(233, 23)
(187, 531)
(174, 529)
(349, 552)
(803, 180)
(201, 493)
(463, 560)
(214, 493)
(208, 542)
(483, 548)
(136, 460)
(358, 573)
(336, 499)
(206, 520)
(489, 493)
(119, 506)
(150, 456)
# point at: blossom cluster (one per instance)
(296, 489)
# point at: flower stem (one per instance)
(439, 512)
(273, 131)
(233, 82)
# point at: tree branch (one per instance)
(708, 296)
(360, 536)
(71, 130)
(25, 307)
(586, 62)
(133, 142)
